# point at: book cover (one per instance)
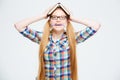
(58, 5)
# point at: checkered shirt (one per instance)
(56, 54)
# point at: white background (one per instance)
(98, 57)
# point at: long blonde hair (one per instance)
(72, 44)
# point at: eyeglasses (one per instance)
(60, 17)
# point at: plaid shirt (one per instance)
(56, 54)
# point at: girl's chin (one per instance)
(58, 29)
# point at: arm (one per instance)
(21, 25)
(90, 23)
(84, 34)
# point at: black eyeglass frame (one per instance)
(60, 17)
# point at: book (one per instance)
(58, 5)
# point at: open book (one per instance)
(58, 5)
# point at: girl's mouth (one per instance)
(57, 25)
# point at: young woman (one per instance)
(57, 53)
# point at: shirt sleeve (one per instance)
(84, 34)
(33, 35)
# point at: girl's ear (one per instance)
(68, 20)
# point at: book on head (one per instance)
(58, 5)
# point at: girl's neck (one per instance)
(57, 34)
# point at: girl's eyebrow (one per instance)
(56, 15)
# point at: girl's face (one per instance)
(58, 20)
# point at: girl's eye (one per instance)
(60, 17)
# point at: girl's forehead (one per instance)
(59, 12)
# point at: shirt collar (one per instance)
(64, 35)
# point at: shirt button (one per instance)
(55, 54)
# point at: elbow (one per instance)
(97, 26)
(18, 27)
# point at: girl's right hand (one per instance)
(45, 14)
